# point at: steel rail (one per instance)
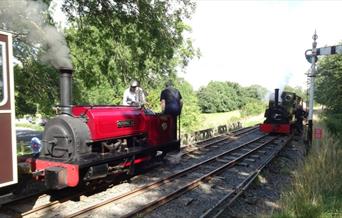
(243, 130)
(161, 181)
(219, 207)
(191, 185)
(219, 140)
(56, 202)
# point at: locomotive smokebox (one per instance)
(276, 97)
(65, 90)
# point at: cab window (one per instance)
(1, 74)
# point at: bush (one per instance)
(334, 123)
(253, 107)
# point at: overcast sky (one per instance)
(258, 42)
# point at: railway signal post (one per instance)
(312, 58)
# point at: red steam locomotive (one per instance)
(85, 143)
(91, 142)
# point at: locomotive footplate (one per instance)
(58, 174)
(97, 158)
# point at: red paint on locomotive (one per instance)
(275, 128)
(159, 128)
(136, 161)
(108, 122)
(145, 134)
(72, 170)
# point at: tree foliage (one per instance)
(228, 96)
(35, 80)
(329, 90)
(113, 42)
(256, 92)
(190, 112)
(253, 107)
(36, 88)
(110, 41)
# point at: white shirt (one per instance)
(136, 98)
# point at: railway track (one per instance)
(186, 179)
(224, 163)
(234, 135)
(54, 203)
(194, 180)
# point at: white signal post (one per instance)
(312, 85)
(312, 58)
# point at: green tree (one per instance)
(35, 79)
(190, 112)
(329, 91)
(253, 107)
(256, 92)
(113, 42)
(36, 88)
(227, 96)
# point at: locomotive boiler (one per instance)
(89, 142)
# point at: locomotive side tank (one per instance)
(90, 142)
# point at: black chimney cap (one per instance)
(65, 70)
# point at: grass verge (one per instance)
(316, 190)
(216, 119)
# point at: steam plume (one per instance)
(27, 19)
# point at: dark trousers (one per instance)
(174, 131)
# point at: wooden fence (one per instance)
(191, 138)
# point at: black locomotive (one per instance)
(284, 116)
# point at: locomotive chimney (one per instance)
(276, 97)
(65, 90)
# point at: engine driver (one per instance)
(134, 95)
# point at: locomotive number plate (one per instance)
(125, 123)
